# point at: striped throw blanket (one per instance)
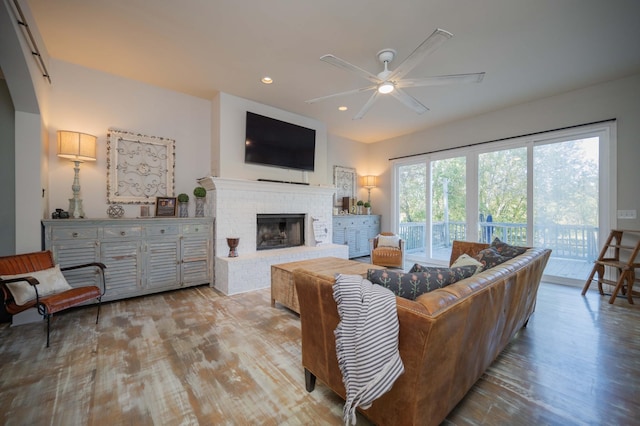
(366, 341)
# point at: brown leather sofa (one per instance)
(447, 339)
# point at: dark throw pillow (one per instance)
(507, 250)
(490, 257)
(412, 284)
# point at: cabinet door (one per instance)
(351, 241)
(362, 241)
(196, 254)
(196, 260)
(162, 263)
(72, 253)
(123, 261)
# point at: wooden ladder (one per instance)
(625, 266)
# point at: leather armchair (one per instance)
(53, 303)
(385, 255)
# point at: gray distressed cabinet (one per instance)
(355, 231)
(142, 256)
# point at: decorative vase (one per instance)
(200, 201)
(183, 209)
(233, 245)
(368, 210)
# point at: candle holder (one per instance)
(233, 244)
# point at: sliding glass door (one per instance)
(552, 192)
(566, 204)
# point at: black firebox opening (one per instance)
(276, 231)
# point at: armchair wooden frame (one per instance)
(53, 303)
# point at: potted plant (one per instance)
(367, 207)
(360, 204)
(183, 205)
(200, 193)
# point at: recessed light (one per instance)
(343, 108)
(266, 80)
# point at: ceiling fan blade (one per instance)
(366, 106)
(341, 63)
(409, 101)
(441, 80)
(430, 45)
(348, 92)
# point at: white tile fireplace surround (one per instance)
(236, 205)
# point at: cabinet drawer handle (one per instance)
(197, 229)
(74, 235)
(122, 233)
(162, 231)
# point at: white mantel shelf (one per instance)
(216, 183)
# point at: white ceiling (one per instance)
(529, 49)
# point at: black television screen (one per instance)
(272, 142)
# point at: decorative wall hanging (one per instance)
(139, 168)
(344, 179)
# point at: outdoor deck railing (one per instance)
(566, 241)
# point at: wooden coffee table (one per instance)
(283, 289)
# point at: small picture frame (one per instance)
(166, 206)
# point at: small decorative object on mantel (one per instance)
(200, 194)
(367, 207)
(183, 205)
(360, 205)
(233, 245)
(115, 211)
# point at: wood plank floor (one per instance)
(194, 357)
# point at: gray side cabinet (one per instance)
(142, 256)
(355, 231)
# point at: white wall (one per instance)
(90, 101)
(230, 161)
(618, 99)
(349, 153)
(29, 93)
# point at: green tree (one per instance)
(412, 196)
(453, 172)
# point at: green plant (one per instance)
(360, 203)
(183, 198)
(200, 192)
(367, 205)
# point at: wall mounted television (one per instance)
(271, 142)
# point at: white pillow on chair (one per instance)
(388, 241)
(51, 281)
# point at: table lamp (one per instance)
(77, 147)
(370, 182)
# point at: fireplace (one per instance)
(275, 231)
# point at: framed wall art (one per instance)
(344, 179)
(139, 168)
(166, 206)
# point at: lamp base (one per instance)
(75, 208)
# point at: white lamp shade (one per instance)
(370, 181)
(76, 146)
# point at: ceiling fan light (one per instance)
(385, 87)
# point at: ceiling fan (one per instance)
(392, 82)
